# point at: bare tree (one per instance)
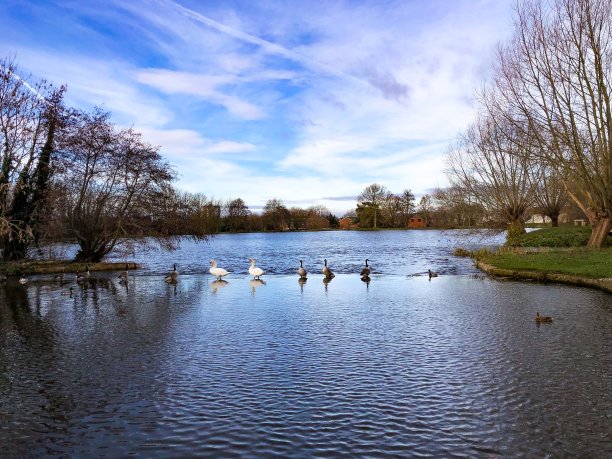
(554, 77)
(371, 198)
(551, 196)
(275, 215)
(491, 163)
(117, 186)
(237, 214)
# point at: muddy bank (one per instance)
(60, 266)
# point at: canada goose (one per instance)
(172, 276)
(23, 279)
(215, 271)
(86, 271)
(79, 277)
(68, 292)
(326, 271)
(432, 273)
(123, 275)
(254, 271)
(542, 319)
(365, 272)
(301, 271)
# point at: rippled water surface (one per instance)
(400, 366)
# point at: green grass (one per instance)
(578, 262)
(563, 236)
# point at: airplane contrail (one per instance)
(273, 47)
(27, 85)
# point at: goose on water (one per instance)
(326, 271)
(301, 271)
(172, 276)
(432, 273)
(217, 272)
(365, 272)
(124, 274)
(254, 271)
(23, 279)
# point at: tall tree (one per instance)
(275, 215)
(491, 163)
(554, 78)
(115, 184)
(30, 115)
(237, 213)
(372, 197)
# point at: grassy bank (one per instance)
(594, 264)
(562, 236)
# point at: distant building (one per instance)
(417, 222)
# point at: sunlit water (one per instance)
(400, 366)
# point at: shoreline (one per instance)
(14, 268)
(545, 276)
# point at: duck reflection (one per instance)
(217, 285)
(255, 284)
(302, 281)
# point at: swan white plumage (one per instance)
(301, 271)
(172, 276)
(254, 271)
(215, 271)
(326, 271)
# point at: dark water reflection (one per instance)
(398, 366)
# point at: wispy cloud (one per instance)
(273, 99)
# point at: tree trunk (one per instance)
(599, 232)
(554, 220)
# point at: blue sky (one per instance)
(305, 101)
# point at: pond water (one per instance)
(400, 366)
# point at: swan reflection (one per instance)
(255, 284)
(217, 285)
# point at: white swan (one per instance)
(326, 271)
(172, 276)
(365, 272)
(255, 272)
(218, 272)
(301, 271)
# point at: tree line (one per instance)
(543, 131)
(72, 174)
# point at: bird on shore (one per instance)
(365, 272)
(255, 271)
(326, 271)
(432, 273)
(172, 276)
(301, 271)
(542, 319)
(86, 272)
(216, 271)
(123, 275)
